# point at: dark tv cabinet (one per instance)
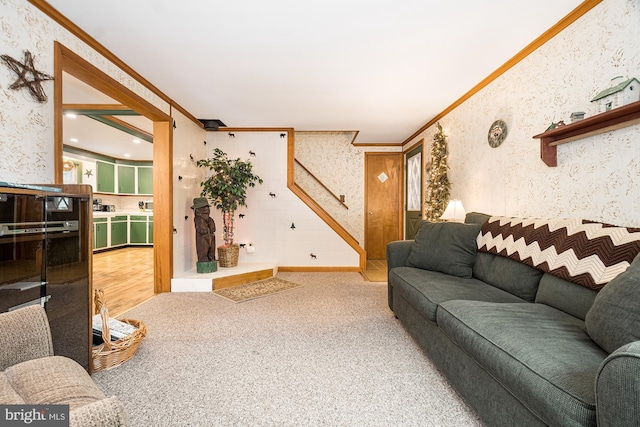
(45, 258)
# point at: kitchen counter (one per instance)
(100, 214)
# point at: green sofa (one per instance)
(525, 344)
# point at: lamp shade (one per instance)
(454, 211)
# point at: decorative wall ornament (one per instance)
(497, 133)
(28, 76)
(438, 184)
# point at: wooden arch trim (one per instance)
(67, 61)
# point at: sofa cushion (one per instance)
(53, 380)
(569, 297)
(425, 289)
(509, 275)
(614, 317)
(540, 354)
(447, 247)
(8, 395)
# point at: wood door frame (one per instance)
(67, 61)
(400, 221)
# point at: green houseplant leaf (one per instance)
(226, 186)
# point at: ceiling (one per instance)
(381, 67)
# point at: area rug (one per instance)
(253, 290)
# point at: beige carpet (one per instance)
(329, 353)
(253, 290)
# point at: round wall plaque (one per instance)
(497, 133)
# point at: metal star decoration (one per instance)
(28, 76)
(88, 172)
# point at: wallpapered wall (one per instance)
(332, 158)
(597, 177)
(26, 127)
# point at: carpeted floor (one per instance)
(329, 353)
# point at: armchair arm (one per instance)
(24, 335)
(102, 413)
(618, 387)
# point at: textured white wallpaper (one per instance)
(597, 177)
(26, 126)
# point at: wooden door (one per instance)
(383, 202)
(413, 187)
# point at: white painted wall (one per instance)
(597, 177)
(267, 221)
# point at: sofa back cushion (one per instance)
(569, 297)
(509, 275)
(614, 317)
(447, 247)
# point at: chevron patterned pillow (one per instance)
(587, 253)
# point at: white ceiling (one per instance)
(381, 67)
(92, 135)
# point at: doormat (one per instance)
(253, 290)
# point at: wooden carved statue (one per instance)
(205, 230)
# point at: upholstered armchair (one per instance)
(30, 374)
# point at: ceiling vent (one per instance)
(212, 124)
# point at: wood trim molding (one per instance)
(312, 269)
(316, 179)
(67, 61)
(420, 142)
(66, 23)
(371, 144)
(572, 17)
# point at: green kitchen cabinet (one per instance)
(99, 233)
(150, 229)
(145, 180)
(138, 229)
(105, 176)
(126, 179)
(119, 230)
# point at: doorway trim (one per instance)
(67, 61)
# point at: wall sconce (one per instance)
(454, 212)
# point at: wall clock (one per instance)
(497, 133)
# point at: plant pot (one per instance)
(228, 255)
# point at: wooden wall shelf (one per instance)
(617, 118)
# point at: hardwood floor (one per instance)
(125, 276)
(376, 270)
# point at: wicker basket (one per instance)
(110, 354)
(228, 256)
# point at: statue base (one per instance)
(207, 267)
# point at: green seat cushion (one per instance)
(614, 317)
(540, 354)
(447, 247)
(425, 289)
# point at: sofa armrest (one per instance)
(618, 387)
(102, 413)
(398, 253)
(24, 335)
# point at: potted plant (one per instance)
(226, 189)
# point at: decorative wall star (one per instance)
(28, 76)
(88, 172)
